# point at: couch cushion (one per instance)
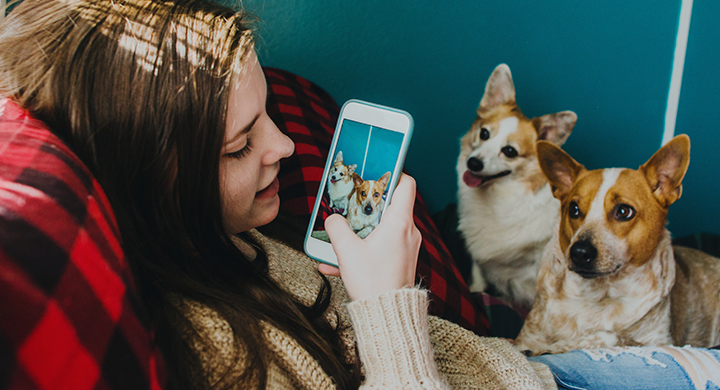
(69, 314)
(308, 114)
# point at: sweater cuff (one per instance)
(393, 340)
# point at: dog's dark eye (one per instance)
(574, 210)
(362, 193)
(376, 194)
(624, 212)
(484, 134)
(509, 152)
(342, 174)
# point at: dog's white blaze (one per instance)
(596, 214)
(597, 207)
(507, 126)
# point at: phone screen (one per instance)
(358, 180)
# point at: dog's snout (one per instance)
(583, 254)
(475, 164)
(367, 210)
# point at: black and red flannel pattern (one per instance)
(308, 115)
(69, 314)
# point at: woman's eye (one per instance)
(624, 212)
(509, 152)
(484, 134)
(242, 152)
(574, 210)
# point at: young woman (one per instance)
(164, 101)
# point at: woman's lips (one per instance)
(269, 191)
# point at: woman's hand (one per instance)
(386, 259)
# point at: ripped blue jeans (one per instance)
(636, 368)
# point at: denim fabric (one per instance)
(635, 368)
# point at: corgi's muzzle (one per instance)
(473, 176)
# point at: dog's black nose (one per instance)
(583, 253)
(475, 164)
(368, 210)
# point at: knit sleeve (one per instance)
(393, 341)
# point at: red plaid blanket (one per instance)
(69, 317)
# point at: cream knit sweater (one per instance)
(400, 346)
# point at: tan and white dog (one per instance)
(506, 211)
(610, 276)
(340, 184)
(366, 204)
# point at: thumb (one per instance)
(338, 230)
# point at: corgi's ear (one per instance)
(384, 179)
(357, 179)
(555, 128)
(560, 169)
(351, 169)
(499, 89)
(666, 169)
(338, 157)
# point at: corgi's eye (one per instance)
(342, 174)
(624, 212)
(509, 152)
(574, 210)
(376, 194)
(362, 193)
(484, 134)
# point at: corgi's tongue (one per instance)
(471, 180)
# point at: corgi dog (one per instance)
(610, 276)
(506, 211)
(366, 204)
(340, 184)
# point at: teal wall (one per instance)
(609, 61)
(699, 117)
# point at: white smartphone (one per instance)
(363, 167)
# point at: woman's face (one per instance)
(249, 161)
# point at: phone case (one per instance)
(363, 167)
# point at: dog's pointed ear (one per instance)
(357, 179)
(555, 128)
(351, 168)
(339, 157)
(559, 168)
(499, 89)
(385, 179)
(666, 169)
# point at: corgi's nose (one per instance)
(475, 164)
(367, 210)
(583, 254)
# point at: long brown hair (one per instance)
(139, 90)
